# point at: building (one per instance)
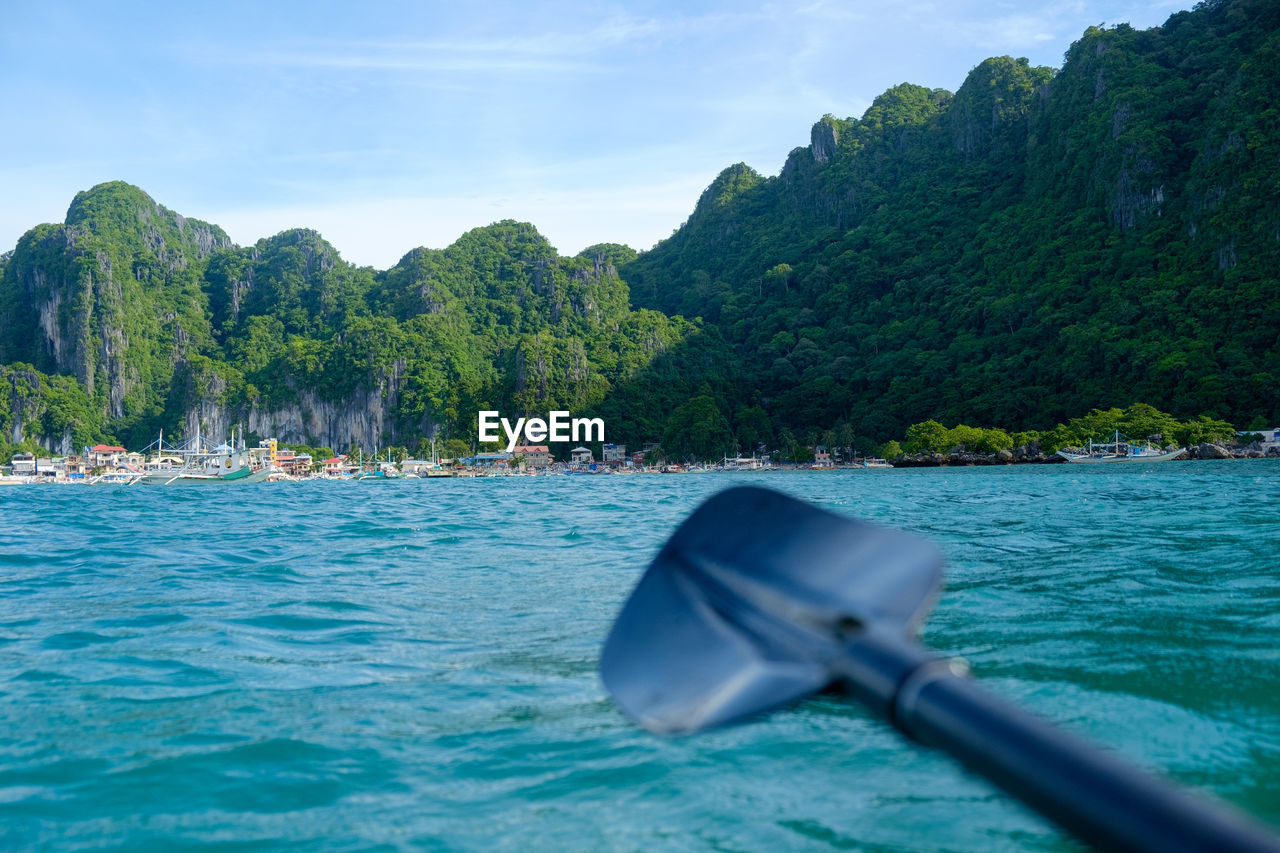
(1270, 437)
(337, 466)
(104, 456)
(580, 456)
(821, 457)
(489, 460)
(75, 467)
(415, 466)
(293, 463)
(24, 465)
(534, 455)
(614, 454)
(285, 459)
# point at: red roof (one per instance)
(107, 448)
(334, 460)
(531, 448)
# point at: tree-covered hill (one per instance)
(112, 298)
(1035, 245)
(163, 323)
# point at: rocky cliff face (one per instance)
(366, 418)
(823, 139)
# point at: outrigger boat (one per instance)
(1119, 450)
(380, 472)
(226, 463)
(435, 470)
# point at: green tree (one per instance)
(697, 430)
(927, 437)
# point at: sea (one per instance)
(413, 665)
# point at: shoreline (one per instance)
(956, 459)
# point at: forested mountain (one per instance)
(164, 324)
(1035, 245)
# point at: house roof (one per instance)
(531, 448)
(107, 448)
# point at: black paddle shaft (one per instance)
(1086, 791)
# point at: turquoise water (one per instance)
(412, 665)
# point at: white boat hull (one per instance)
(190, 479)
(1088, 459)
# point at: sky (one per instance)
(388, 126)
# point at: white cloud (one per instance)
(560, 51)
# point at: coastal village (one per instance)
(105, 463)
(271, 461)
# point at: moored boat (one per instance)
(1120, 450)
(381, 472)
(224, 464)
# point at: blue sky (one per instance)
(388, 126)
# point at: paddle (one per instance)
(759, 600)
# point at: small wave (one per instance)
(290, 622)
(77, 640)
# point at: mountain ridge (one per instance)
(165, 323)
(1037, 244)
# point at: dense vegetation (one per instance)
(1029, 248)
(35, 404)
(1138, 423)
(166, 325)
(1033, 246)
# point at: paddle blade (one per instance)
(748, 604)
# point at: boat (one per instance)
(380, 472)
(1120, 450)
(435, 469)
(870, 462)
(378, 475)
(741, 463)
(226, 463)
(118, 478)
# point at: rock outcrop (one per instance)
(1213, 451)
(823, 139)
